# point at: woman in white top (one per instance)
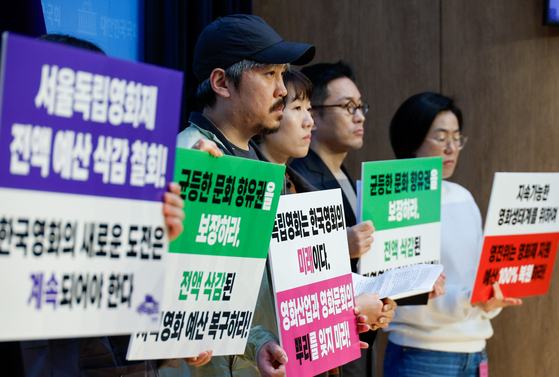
(447, 336)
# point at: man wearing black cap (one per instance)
(239, 61)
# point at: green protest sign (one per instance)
(230, 204)
(215, 267)
(402, 193)
(403, 199)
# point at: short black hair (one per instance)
(300, 84)
(414, 117)
(322, 73)
(205, 94)
(71, 41)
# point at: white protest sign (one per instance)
(311, 273)
(521, 235)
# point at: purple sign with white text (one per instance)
(75, 121)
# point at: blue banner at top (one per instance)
(75, 121)
(117, 27)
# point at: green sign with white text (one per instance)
(230, 204)
(402, 193)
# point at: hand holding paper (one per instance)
(438, 288)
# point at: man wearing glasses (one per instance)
(338, 113)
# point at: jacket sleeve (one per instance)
(258, 336)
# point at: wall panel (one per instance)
(502, 66)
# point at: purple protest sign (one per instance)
(75, 121)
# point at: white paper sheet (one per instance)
(399, 283)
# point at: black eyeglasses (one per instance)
(351, 107)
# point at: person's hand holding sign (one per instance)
(362, 325)
(360, 238)
(497, 301)
(208, 146)
(203, 358)
(173, 211)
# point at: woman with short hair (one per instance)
(447, 336)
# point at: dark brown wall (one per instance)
(502, 66)
(376, 37)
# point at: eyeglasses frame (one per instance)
(364, 107)
(463, 139)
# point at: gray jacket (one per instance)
(264, 327)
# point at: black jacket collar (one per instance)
(201, 121)
(316, 165)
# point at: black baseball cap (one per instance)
(231, 39)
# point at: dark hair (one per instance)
(71, 41)
(300, 83)
(414, 117)
(322, 73)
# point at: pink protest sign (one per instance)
(313, 288)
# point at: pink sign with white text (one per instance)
(313, 287)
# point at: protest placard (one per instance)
(86, 145)
(313, 288)
(520, 237)
(403, 199)
(216, 265)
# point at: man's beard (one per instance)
(261, 128)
